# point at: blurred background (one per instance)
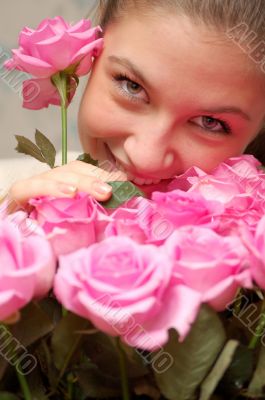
(15, 14)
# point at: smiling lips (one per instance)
(131, 177)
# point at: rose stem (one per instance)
(64, 132)
(60, 80)
(21, 378)
(24, 386)
(259, 329)
(123, 372)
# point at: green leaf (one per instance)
(46, 367)
(102, 350)
(39, 321)
(46, 147)
(238, 373)
(36, 385)
(193, 358)
(256, 387)
(44, 151)
(224, 360)
(19, 336)
(98, 385)
(87, 159)
(8, 396)
(122, 191)
(65, 338)
(146, 389)
(26, 146)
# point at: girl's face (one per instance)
(165, 95)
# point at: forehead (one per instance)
(163, 38)
(188, 56)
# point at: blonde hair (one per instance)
(221, 15)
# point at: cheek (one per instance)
(98, 114)
(92, 124)
(207, 157)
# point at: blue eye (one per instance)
(132, 89)
(128, 87)
(212, 124)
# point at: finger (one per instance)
(106, 171)
(79, 167)
(23, 190)
(69, 184)
(86, 183)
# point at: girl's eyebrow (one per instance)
(125, 62)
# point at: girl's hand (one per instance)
(65, 181)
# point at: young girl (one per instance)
(172, 88)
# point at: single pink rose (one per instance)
(233, 218)
(40, 93)
(240, 186)
(182, 182)
(140, 220)
(238, 168)
(256, 246)
(127, 289)
(214, 188)
(246, 173)
(70, 223)
(186, 208)
(25, 225)
(213, 265)
(27, 268)
(126, 223)
(153, 221)
(52, 47)
(236, 176)
(56, 45)
(239, 206)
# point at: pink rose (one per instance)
(127, 290)
(238, 168)
(237, 176)
(256, 246)
(244, 171)
(27, 268)
(213, 265)
(126, 223)
(186, 208)
(140, 220)
(240, 186)
(182, 182)
(25, 225)
(40, 93)
(70, 223)
(153, 221)
(239, 206)
(54, 46)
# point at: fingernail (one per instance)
(67, 189)
(102, 188)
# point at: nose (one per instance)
(150, 147)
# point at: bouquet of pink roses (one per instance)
(157, 298)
